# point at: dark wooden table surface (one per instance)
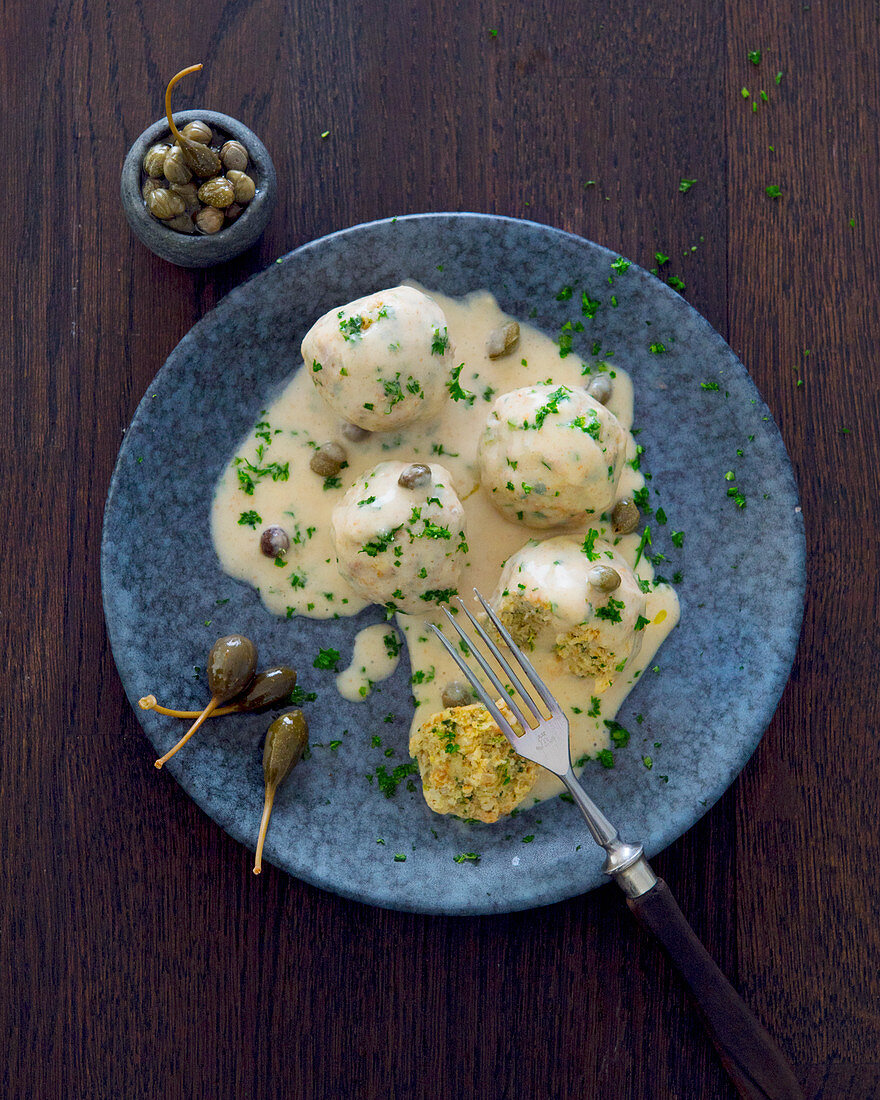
(139, 957)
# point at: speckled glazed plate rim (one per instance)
(699, 717)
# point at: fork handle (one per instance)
(753, 1061)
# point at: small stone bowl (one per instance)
(199, 250)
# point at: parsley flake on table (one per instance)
(755, 57)
(685, 185)
(774, 191)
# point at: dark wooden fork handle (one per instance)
(752, 1059)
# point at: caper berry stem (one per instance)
(264, 825)
(149, 703)
(209, 709)
(168, 90)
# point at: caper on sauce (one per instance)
(328, 460)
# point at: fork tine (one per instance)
(487, 700)
(490, 672)
(502, 661)
(523, 661)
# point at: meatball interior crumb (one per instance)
(468, 766)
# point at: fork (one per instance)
(751, 1057)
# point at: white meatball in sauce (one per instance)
(551, 455)
(579, 601)
(400, 538)
(381, 361)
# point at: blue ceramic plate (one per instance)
(717, 679)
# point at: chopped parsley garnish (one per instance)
(551, 407)
(327, 659)
(644, 542)
(565, 293)
(755, 57)
(595, 706)
(774, 191)
(528, 839)
(387, 784)
(657, 349)
(592, 427)
(611, 611)
(456, 391)
(379, 544)
(440, 341)
(677, 539)
(438, 595)
(296, 581)
(709, 386)
(249, 519)
(641, 623)
(249, 475)
(605, 758)
(333, 482)
(661, 259)
(685, 185)
(620, 265)
(675, 283)
(352, 328)
(589, 306)
(619, 735)
(300, 695)
(466, 857)
(393, 645)
(589, 546)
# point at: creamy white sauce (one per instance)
(307, 581)
(372, 660)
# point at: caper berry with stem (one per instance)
(328, 460)
(625, 516)
(232, 663)
(198, 131)
(202, 159)
(415, 476)
(600, 388)
(154, 161)
(457, 694)
(234, 156)
(243, 186)
(267, 687)
(604, 578)
(286, 741)
(274, 542)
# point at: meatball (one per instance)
(579, 601)
(467, 765)
(400, 539)
(551, 455)
(381, 361)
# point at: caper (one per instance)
(190, 195)
(233, 211)
(154, 161)
(328, 460)
(175, 168)
(600, 388)
(198, 131)
(286, 741)
(415, 476)
(625, 516)
(267, 687)
(234, 156)
(151, 185)
(243, 186)
(217, 192)
(457, 694)
(274, 542)
(604, 578)
(209, 220)
(354, 432)
(164, 204)
(231, 666)
(183, 223)
(502, 340)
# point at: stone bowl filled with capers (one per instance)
(206, 216)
